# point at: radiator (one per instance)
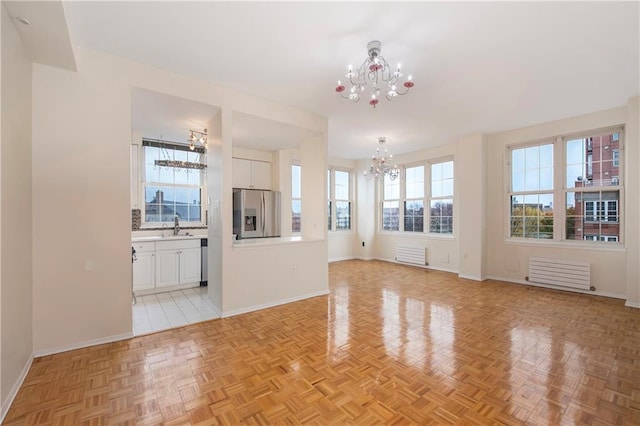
(561, 273)
(411, 254)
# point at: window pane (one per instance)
(593, 161)
(414, 216)
(295, 181)
(532, 216)
(391, 188)
(329, 183)
(343, 215)
(593, 216)
(414, 182)
(441, 221)
(329, 216)
(532, 168)
(296, 207)
(390, 216)
(342, 185)
(442, 179)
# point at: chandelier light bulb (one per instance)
(376, 75)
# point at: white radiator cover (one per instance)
(416, 255)
(560, 272)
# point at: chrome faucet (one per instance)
(176, 226)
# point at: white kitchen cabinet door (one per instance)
(241, 174)
(167, 268)
(261, 175)
(190, 265)
(144, 271)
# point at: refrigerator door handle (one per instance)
(264, 213)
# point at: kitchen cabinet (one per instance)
(166, 265)
(251, 174)
(144, 268)
(177, 262)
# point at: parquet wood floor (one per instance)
(390, 344)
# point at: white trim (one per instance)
(471, 277)
(85, 344)
(275, 303)
(573, 290)
(6, 404)
(365, 258)
(340, 259)
(632, 304)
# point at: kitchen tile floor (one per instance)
(162, 311)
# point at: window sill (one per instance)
(421, 235)
(577, 245)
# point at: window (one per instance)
(441, 200)
(390, 204)
(531, 196)
(413, 193)
(171, 191)
(414, 199)
(592, 203)
(586, 179)
(340, 197)
(296, 201)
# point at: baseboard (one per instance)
(551, 287)
(85, 344)
(632, 304)
(471, 277)
(340, 259)
(364, 258)
(6, 404)
(272, 304)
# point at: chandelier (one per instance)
(196, 136)
(382, 163)
(374, 71)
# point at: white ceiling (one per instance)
(478, 66)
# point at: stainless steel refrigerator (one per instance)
(256, 213)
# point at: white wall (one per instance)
(508, 260)
(16, 343)
(81, 199)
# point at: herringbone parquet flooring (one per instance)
(391, 344)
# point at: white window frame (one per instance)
(332, 200)
(143, 185)
(561, 189)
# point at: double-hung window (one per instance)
(441, 200)
(414, 199)
(390, 204)
(339, 205)
(172, 189)
(531, 196)
(296, 197)
(593, 187)
(581, 172)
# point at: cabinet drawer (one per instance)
(178, 244)
(144, 247)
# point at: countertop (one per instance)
(153, 238)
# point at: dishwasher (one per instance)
(204, 248)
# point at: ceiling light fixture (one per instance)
(374, 71)
(196, 136)
(382, 163)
